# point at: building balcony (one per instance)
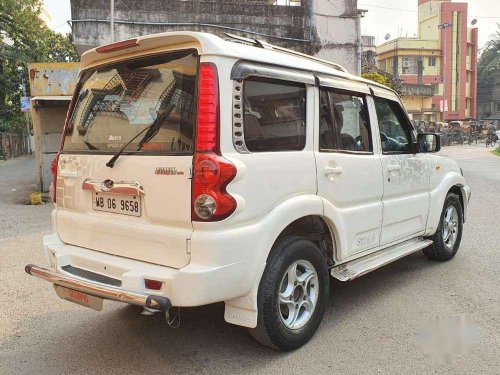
(408, 89)
(415, 44)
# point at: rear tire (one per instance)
(293, 294)
(449, 232)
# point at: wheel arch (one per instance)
(306, 217)
(317, 229)
(457, 189)
(450, 182)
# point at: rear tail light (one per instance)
(211, 172)
(55, 162)
(53, 185)
(207, 125)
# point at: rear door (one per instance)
(349, 172)
(140, 207)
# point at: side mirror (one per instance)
(428, 142)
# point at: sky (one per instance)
(394, 17)
(402, 18)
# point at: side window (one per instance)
(395, 130)
(274, 115)
(343, 122)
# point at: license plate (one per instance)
(79, 298)
(117, 204)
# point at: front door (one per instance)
(349, 173)
(406, 174)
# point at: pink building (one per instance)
(444, 56)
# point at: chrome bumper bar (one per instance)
(150, 301)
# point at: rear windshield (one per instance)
(153, 96)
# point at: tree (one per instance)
(384, 79)
(490, 57)
(488, 65)
(24, 38)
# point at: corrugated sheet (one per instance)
(53, 79)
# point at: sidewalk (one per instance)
(17, 181)
(464, 152)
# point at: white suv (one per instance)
(196, 170)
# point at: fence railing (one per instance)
(12, 145)
(291, 3)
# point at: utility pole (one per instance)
(112, 18)
(361, 14)
(30, 150)
(444, 26)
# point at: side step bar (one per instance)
(360, 267)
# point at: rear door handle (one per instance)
(68, 174)
(332, 170)
(393, 167)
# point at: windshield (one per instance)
(117, 102)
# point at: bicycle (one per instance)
(472, 137)
(491, 140)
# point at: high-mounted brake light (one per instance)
(117, 46)
(211, 172)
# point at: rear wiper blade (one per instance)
(155, 127)
(111, 162)
(90, 145)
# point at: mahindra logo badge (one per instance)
(168, 171)
(107, 185)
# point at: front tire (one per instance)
(293, 294)
(449, 233)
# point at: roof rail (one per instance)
(263, 44)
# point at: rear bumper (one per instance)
(123, 279)
(159, 303)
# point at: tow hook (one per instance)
(148, 312)
(158, 303)
(173, 317)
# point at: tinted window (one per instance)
(395, 130)
(119, 101)
(344, 124)
(274, 115)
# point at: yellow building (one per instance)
(45, 17)
(437, 68)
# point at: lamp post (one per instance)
(112, 20)
(444, 26)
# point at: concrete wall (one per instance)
(319, 27)
(336, 24)
(48, 121)
(52, 79)
(51, 87)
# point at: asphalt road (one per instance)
(413, 316)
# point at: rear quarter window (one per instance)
(274, 115)
(153, 95)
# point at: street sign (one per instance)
(444, 25)
(25, 104)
